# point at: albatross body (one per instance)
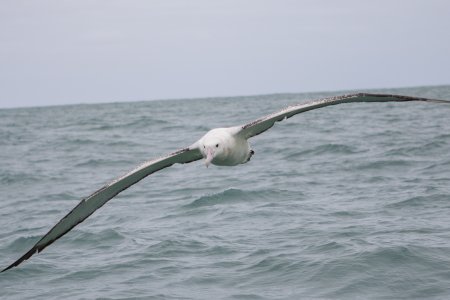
(224, 147)
(220, 146)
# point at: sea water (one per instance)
(344, 202)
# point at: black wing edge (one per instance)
(37, 249)
(337, 100)
(399, 97)
(348, 96)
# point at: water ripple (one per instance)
(349, 202)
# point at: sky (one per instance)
(56, 52)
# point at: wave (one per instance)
(23, 243)
(175, 247)
(378, 270)
(10, 177)
(325, 149)
(143, 122)
(421, 201)
(383, 164)
(233, 195)
(93, 162)
(106, 236)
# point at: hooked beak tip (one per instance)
(209, 158)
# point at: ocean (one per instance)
(344, 202)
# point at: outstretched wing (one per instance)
(90, 204)
(259, 126)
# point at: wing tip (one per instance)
(23, 258)
(438, 101)
(400, 97)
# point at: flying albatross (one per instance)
(220, 146)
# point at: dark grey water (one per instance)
(350, 201)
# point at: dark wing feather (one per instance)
(90, 204)
(259, 126)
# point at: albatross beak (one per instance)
(209, 157)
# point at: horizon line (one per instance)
(224, 97)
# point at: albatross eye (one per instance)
(217, 145)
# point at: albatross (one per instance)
(220, 146)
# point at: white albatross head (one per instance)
(216, 146)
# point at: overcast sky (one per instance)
(77, 51)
